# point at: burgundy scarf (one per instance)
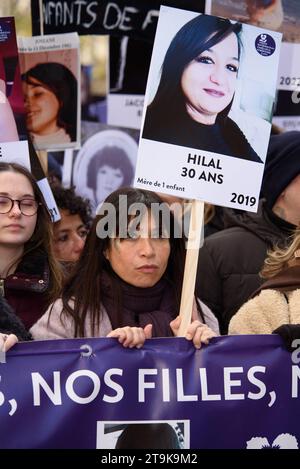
(140, 306)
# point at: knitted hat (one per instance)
(282, 165)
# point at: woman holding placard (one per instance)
(128, 280)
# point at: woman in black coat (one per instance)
(11, 328)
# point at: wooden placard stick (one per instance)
(191, 262)
(43, 157)
(42, 154)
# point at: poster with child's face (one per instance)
(13, 144)
(282, 16)
(207, 116)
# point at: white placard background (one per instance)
(162, 163)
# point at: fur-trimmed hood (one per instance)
(266, 312)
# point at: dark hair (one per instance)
(167, 118)
(42, 238)
(92, 262)
(112, 156)
(59, 80)
(148, 436)
(196, 36)
(66, 199)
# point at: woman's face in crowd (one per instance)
(208, 82)
(108, 180)
(142, 260)
(15, 228)
(69, 236)
(42, 107)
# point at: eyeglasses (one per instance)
(28, 207)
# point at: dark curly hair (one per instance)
(67, 199)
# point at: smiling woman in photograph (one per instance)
(109, 169)
(50, 91)
(196, 90)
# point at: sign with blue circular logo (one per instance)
(265, 44)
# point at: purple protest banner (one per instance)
(230, 394)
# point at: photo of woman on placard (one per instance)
(50, 92)
(105, 163)
(196, 90)
(109, 169)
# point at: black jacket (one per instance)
(177, 128)
(230, 260)
(10, 323)
(26, 290)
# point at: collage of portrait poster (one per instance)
(105, 162)
(50, 70)
(129, 61)
(13, 136)
(276, 15)
(207, 114)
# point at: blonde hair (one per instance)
(279, 259)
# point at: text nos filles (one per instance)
(168, 385)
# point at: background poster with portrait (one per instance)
(50, 68)
(129, 61)
(13, 136)
(135, 18)
(282, 16)
(105, 162)
(224, 167)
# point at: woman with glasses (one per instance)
(29, 275)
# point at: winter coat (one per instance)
(10, 323)
(230, 260)
(276, 303)
(26, 290)
(53, 325)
